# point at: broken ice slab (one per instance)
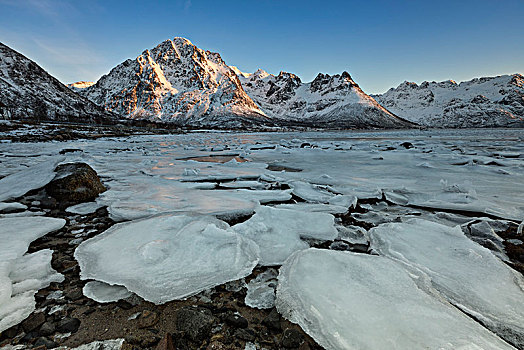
(25, 180)
(347, 301)
(261, 290)
(467, 274)
(167, 257)
(21, 276)
(105, 293)
(279, 232)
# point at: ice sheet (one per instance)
(467, 274)
(279, 232)
(21, 276)
(347, 301)
(167, 257)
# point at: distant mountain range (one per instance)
(28, 90)
(482, 102)
(179, 83)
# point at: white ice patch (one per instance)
(347, 301)
(23, 181)
(278, 232)
(21, 276)
(105, 293)
(167, 257)
(467, 274)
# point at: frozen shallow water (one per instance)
(281, 194)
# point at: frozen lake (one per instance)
(198, 210)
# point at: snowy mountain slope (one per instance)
(327, 101)
(29, 91)
(180, 83)
(79, 85)
(481, 102)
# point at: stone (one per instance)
(272, 320)
(292, 338)
(75, 183)
(407, 145)
(166, 343)
(195, 323)
(75, 294)
(34, 321)
(46, 343)
(244, 334)
(236, 320)
(47, 329)
(147, 319)
(68, 324)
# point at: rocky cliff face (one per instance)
(481, 102)
(328, 101)
(179, 83)
(29, 91)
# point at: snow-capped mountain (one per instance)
(180, 83)
(481, 102)
(29, 91)
(79, 85)
(328, 101)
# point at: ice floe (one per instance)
(347, 301)
(167, 257)
(105, 293)
(21, 276)
(465, 273)
(280, 232)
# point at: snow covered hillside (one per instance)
(180, 83)
(29, 91)
(327, 101)
(481, 102)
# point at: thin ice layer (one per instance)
(278, 232)
(466, 273)
(357, 301)
(167, 257)
(105, 293)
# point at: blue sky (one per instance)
(380, 43)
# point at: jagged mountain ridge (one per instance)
(29, 91)
(481, 102)
(328, 101)
(79, 85)
(179, 83)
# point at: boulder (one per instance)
(75, 183)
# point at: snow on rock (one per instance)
(279, 232)
(481, 102)
(347, 301)
(25, 180)
(167, 257)
(467, 274)
(261, 290)
(105, 293)
(29, 91)
(21, 276)
(327, 101)
(180, 83)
